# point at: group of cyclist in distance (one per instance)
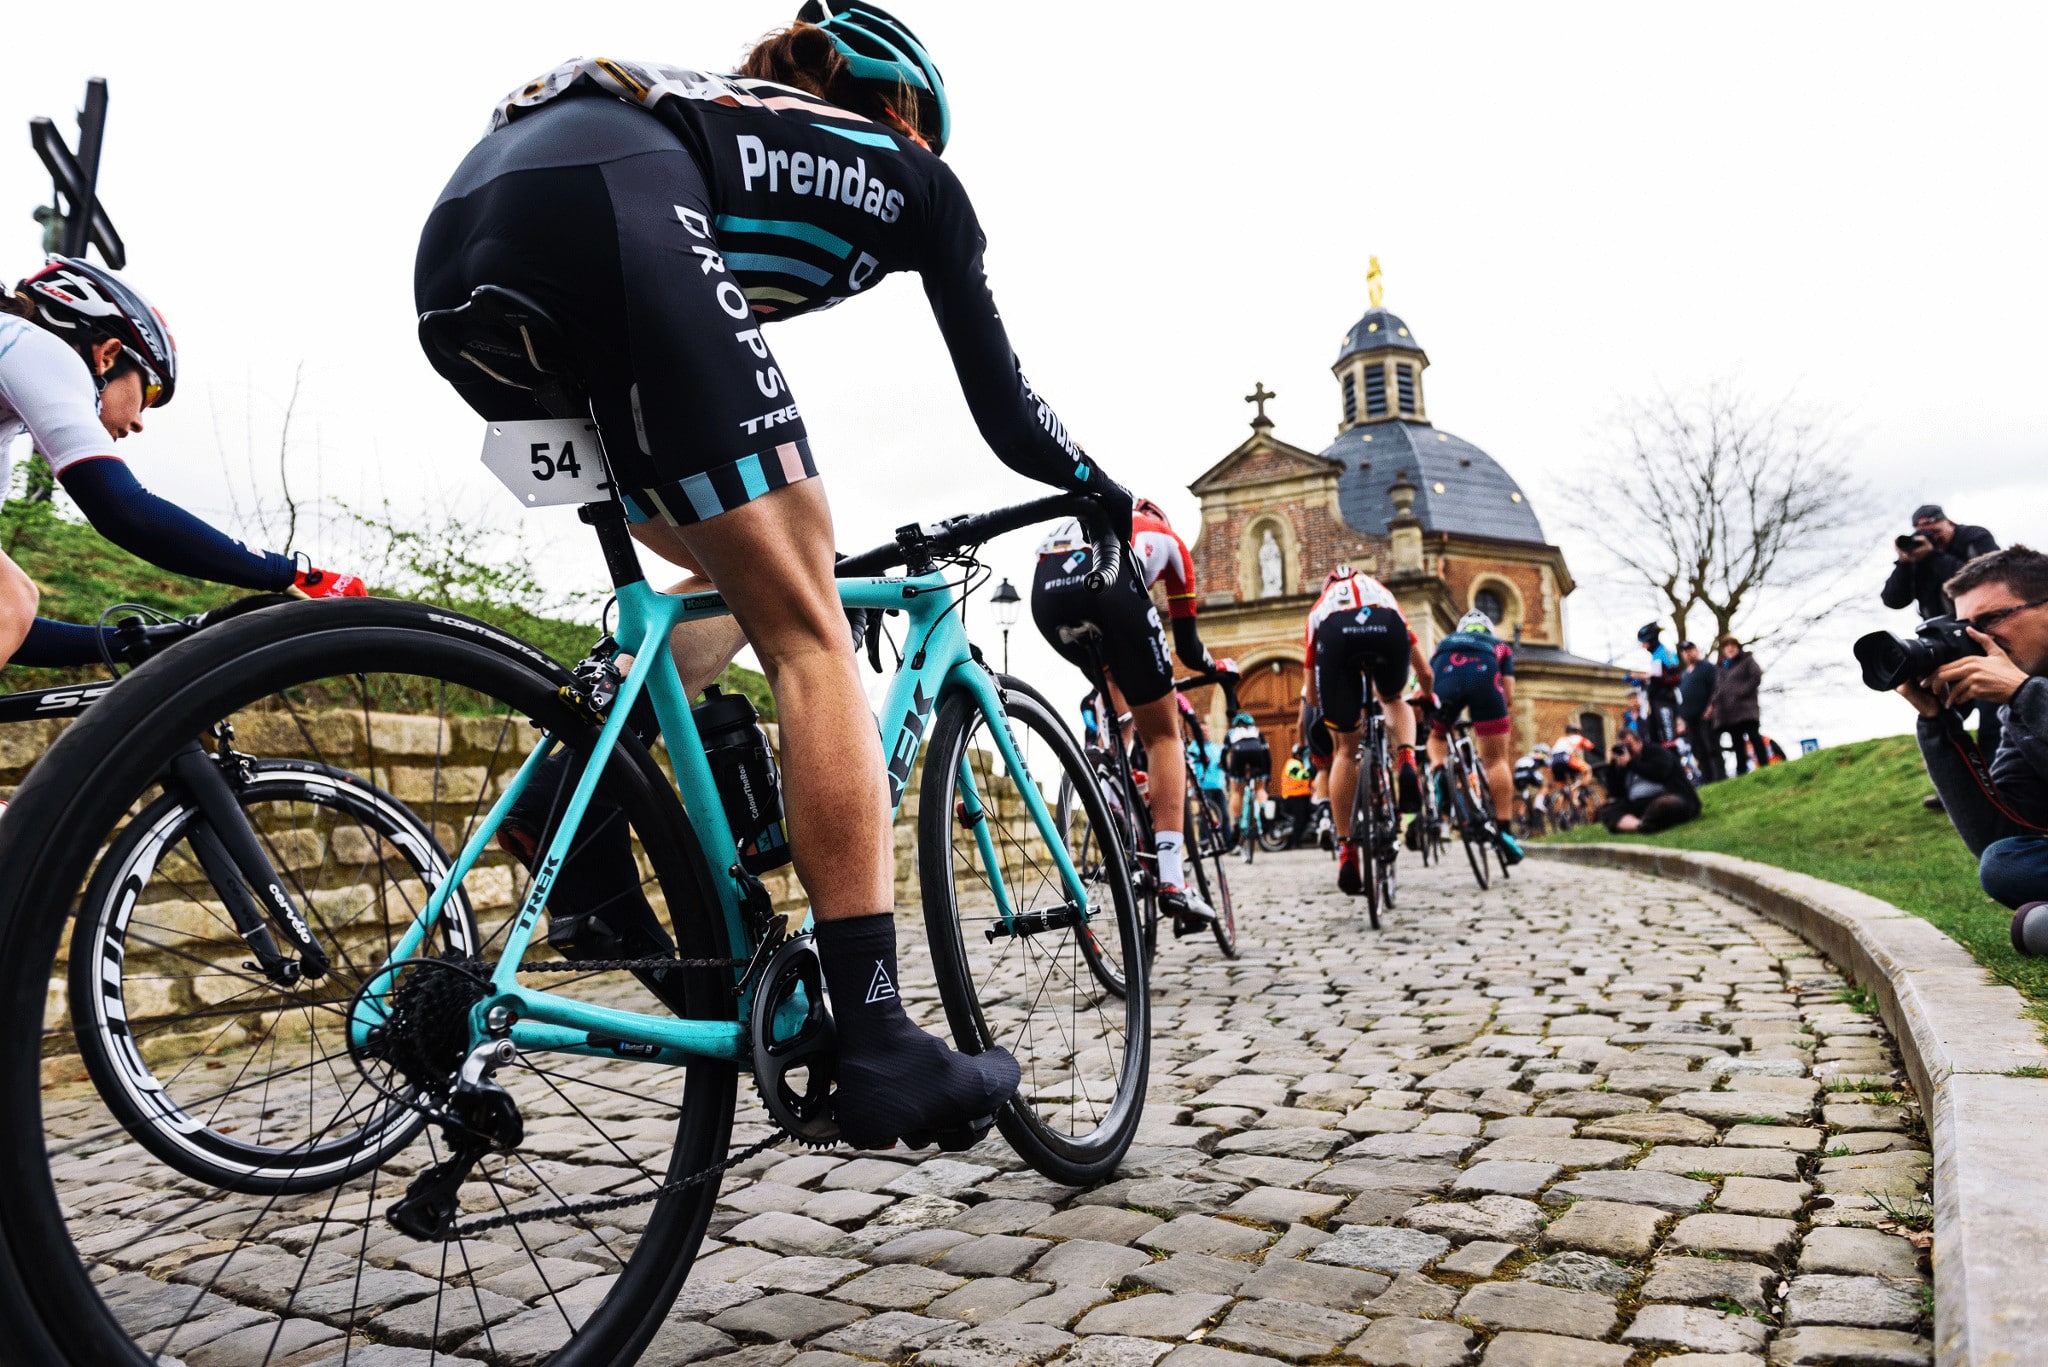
(663, 217)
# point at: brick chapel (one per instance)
(1433, 517)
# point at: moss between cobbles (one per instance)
(1852, 815)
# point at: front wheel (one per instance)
(1007, 945)
(1211, 882)
(119, 1251)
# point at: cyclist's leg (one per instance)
(18, 599)
(1390, 680)
(703, 467)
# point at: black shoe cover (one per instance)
(896, 1081)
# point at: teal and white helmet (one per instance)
(1476, 620)
(880, 48)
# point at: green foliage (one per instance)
(1852, 815)
(449, 560)
(1858, 999)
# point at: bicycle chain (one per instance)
(611, 1203)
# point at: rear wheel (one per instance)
(1472, 828)
(94, 1225)
(1084, 1052)
(1364, 845)
(1211, 881)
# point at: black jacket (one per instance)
(1919, 582)
(1661, 766)
(2018, 801)
(1695, 691)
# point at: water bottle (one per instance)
(749, 784)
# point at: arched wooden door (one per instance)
(1271, 692)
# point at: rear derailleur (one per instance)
(481, 1117)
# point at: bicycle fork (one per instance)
(233, 858)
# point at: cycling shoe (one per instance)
(896, 1081)
(2030, 928)
(1510, 850)
(1191, 915)
(1409, 786)
(1348, 880)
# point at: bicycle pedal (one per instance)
(957, 1140)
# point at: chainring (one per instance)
(792, 1031)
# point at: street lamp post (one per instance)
(1007, 604)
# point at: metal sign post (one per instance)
(74, 180)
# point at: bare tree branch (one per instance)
(1727, 508)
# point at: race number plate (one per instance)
(547, 461)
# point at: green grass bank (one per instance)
(80, 574)
(1852, 815)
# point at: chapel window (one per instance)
(1350, 400)
(1488, 602)
(1376, 391)
(1405, 378)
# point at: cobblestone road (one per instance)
(1586, 1119)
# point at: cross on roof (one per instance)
(1259, 395)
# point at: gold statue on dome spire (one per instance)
(1372, 280)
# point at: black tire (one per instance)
(995, 994)
(57, 826)
(1365, 833)
(131, 927)
(1472, 828)
(1087, 840)
(1212, 882)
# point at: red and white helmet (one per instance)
(1145, 507)
(83, 303)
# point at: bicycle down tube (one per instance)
(940, 658)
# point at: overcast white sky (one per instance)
(1573, 204)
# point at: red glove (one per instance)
(329, 584)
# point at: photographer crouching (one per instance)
(1647, 788)
(1992, 654)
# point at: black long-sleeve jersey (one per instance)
(812, 205)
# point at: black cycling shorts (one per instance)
(1321, 747)
(1348, 650)
(1249, 764)
(1123, 619)
(601, 216)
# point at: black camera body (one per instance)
(1911, 541)
(1889, 660)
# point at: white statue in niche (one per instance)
(1272, 568)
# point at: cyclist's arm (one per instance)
(51, 644)
(1018, 425)
(164, 534)
(1507, 690)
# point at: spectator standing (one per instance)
(1928, 558)
(1660, 687)
(1733, 712)
(1695, 692)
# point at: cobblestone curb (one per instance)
(1969, 1045)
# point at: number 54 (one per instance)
(545, 466)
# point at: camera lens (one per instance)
(1889, 661)
(1906, 542)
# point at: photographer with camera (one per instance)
(1993, 655)
(1928, 557)
(1647, 788)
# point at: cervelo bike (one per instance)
(450, 1148)
(1471, 805)
(1375, 814)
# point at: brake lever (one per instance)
(874, 634)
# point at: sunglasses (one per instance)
(1985, 621)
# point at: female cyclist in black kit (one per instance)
(662, 215)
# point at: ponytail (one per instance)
(803, 56)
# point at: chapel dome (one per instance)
(1378, 330)
(1459, 489)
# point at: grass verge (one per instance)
(1852, 815)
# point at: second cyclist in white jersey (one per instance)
(1356, 631)
(1121, 627)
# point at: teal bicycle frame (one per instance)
(941, 659)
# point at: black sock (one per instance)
(896, 1081)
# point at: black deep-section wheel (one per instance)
(1084, 1052)
(1206, 858)
(157, 967)
(440, 709)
